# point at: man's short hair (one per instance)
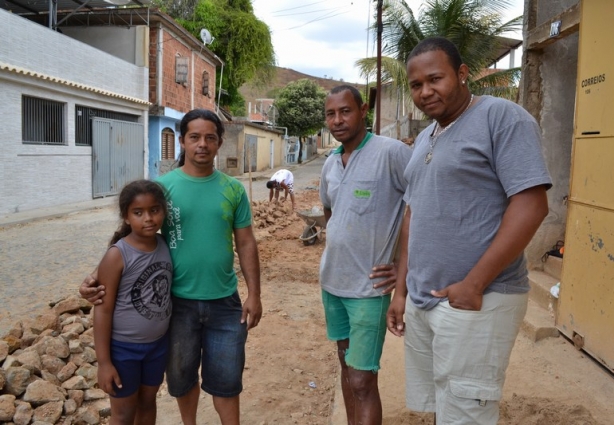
(438, 43)
(355, 93)
(271, 184)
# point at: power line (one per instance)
(316, 20)
(312, 11)
(320, 18)
(299, 7)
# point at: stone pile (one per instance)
(273, 215)
(48, 369)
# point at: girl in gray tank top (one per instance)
(130, 325)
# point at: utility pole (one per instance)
(378, 94)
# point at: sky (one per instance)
(324, 38)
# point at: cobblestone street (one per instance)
(44, 260)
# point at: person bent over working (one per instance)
(282, 179)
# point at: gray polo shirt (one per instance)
(366, 199)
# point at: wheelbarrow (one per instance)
(315, 223)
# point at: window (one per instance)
(168, 144)
(181, 70)
(42, 121)
(83, 122)
(206, 84)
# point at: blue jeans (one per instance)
(207, 334)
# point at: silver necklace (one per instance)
(439, 130)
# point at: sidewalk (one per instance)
(54, 211)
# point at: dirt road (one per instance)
(291, 371)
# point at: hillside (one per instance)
(284, 76)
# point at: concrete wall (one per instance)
(557, 71)
(127, 43)
(233, 148)
(35, 176)
(37, 48)
(269, 145)
(405, 128)
(230, 154)
(396, 106)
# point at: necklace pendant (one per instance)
(428, 158)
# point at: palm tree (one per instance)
(474, 26)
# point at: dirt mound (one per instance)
(542, 411)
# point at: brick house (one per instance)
(181, 77)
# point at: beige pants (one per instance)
(455, 360)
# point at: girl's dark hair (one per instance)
(194, 114)
(126, 197)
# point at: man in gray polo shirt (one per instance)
(361, 189)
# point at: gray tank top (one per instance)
(143, 305)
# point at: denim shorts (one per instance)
(363, 322)
(139, 364)
(207, 334)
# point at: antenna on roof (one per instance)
(206, 37)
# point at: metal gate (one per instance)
(250, 154)
(117, 155)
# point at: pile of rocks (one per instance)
(272, 214)
(48, 369)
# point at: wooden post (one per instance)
(249, 168)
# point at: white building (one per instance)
(53, 152)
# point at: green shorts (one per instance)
(363, 322)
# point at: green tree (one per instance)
(474, 26)
(301, 109)
(241, 40)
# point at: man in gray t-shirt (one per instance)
(361, 189)
(476, 193)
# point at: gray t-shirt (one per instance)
(457, 201)
(143, 304)
(366, 199)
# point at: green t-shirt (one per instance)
(202, 214)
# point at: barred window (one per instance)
(83, 122)
(181, 70)
(168, 144)
(42, 121)
(206, 83)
